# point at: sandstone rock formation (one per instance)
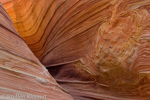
(21, 73)
(96, 49)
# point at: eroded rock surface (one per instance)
(96, 49)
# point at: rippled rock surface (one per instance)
(21, 73)
(96, 49)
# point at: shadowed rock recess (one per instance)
(95, 49)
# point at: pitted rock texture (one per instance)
(21, 73)
(96, 49)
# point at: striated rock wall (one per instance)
(99, 47)
(21, 73)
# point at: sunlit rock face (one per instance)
(96, 49)
(22, 76)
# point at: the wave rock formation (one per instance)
(95, 49)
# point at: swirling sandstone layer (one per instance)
(22, 76)
(94, 48)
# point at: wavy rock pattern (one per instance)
(97, 49)
(21, 73)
